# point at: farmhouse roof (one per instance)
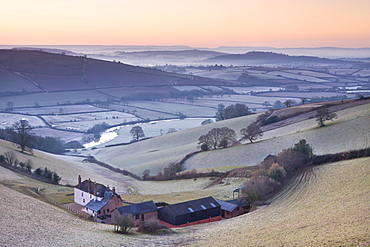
(139, 208)
(100, 189)
(194, 206)
(96, 205)
(226, 206)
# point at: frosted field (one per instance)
(152, 129)
(310, 73)
(295, 76)
(59, 109)
(172, 107)
(8, 119)
(87, 120)
(51, 98)
(245, 90)
(188, 88)
(66, 136)
(342, 71)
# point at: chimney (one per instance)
(114, 190)
(89, 186)
(79, 182)
(107, 188)
(95, 189)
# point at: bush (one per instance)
(270, 120)
(260, 188)
(352, 155)
(2, 158)
(150, 226)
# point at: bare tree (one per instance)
(303, 100)
(9, 106)
(10, 157)
(252, 132)
(323, 115)
(137, 132)
(218, 137)
(21, 134)
(288, 103)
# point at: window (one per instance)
(237, 208)
(204, 212)
(83, 200)
(137, 216)
(142, 217)
(107, 210)
(82, 194)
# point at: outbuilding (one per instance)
(193, 212)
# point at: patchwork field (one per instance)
(83, 122)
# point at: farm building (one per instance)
(242, 202)
(140, 211)
(190, 212)
(97, 199)
(229, 210)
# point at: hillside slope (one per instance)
(69, 167)
(328, 206)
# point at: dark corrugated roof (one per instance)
(193, 206)
(96, 205)
(139, 208)
(243, 202)
(227, 206)
(99, 188)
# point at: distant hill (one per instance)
(34, 70)
(268, 58)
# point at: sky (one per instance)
(197, 23)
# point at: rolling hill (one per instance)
(154, 154)
(24, 71)
(325, 205)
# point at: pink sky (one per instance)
(206, 23)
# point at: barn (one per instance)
(193, 212)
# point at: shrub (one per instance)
(2, 158)
(291, 160)
(276, 172)
(367, 152)
(352, 155)
(260, 188)
(150, 226)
